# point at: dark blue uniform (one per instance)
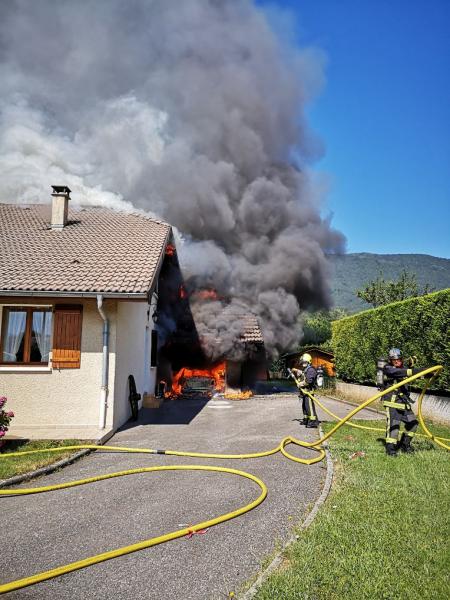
(309, 410)
(398, 405)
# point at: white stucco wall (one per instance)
(134, 326)
(69, 397)
(434, 407)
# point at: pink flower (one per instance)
(2, 433)
(2, 401)
(10, 413)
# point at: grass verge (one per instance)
(383, 531)
(17, 465)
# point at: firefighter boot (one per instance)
(312, 424)
(405, 444)
(391, 449)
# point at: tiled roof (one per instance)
(248, 324)
(99, 251)
(252, 332)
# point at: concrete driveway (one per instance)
(47, 530)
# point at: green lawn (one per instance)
(382, 533)
(16, 465)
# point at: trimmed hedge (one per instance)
(419, 326)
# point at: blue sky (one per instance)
(384, 117)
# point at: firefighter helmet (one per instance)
(395, 354)
(306, 358)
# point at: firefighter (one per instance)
(307, 376)
(398, 404)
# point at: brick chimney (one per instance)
(60, 206)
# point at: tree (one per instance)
(317, 325)
(380, 291)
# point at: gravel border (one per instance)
(44, 470)
(57, 465)
(276, 562)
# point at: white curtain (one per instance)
(42, 328)
(15, 330)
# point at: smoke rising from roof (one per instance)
(193, 114)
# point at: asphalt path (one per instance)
(43, 531)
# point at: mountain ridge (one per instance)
(353, 271)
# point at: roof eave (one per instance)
(157, 271)
(74, 294)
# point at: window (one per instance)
(26, 335)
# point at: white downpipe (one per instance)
(105, 365)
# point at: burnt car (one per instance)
(198, 386)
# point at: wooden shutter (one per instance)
(67, 337)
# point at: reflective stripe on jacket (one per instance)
(393, 375)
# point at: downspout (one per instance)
(105, 364)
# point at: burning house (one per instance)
(226, 356)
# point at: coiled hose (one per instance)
(316, 446)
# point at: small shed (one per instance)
(320, 358)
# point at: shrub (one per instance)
(5, 419)
(419, 326)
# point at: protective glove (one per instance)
(412, 360)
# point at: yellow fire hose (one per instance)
(39, 577)
(424, 435)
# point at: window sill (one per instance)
(25, 369)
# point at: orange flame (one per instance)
(170, 250)
(216, 372)
(238, 395)
(206, 295)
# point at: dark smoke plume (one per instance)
(191, 111)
